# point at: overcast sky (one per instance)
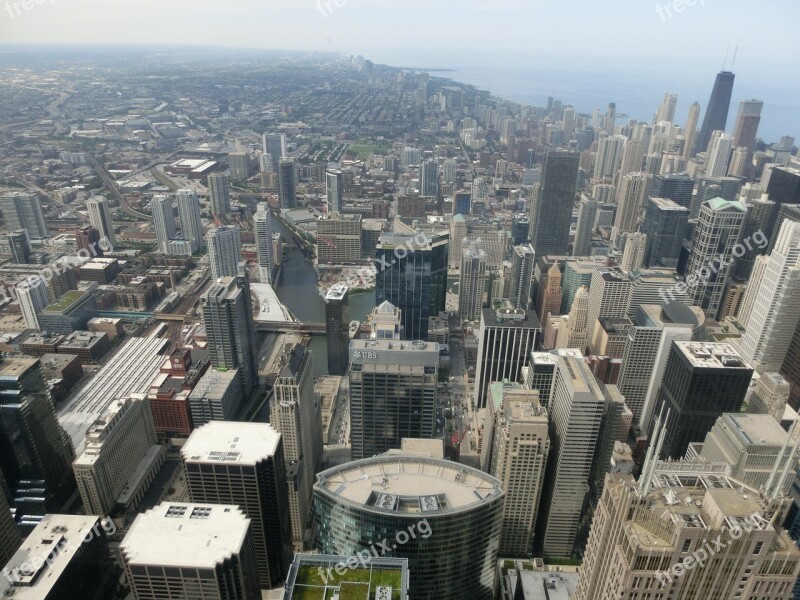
(566, 28)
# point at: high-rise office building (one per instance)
(65, 557)
(228, 318)
(219, 192)
(240, 165)
(450, 171)
(623, 563)
(287, 183)
(677, 187)
(460, 507)
(296, 414)
(334, 190)
(274, 144)
(690, 130)
(189, 214)
(22, 210)
(339, 239)
(224, 251)
(230, 462)
(552, 293)
(20, 245)
(630, 199)
(121, 456)
(574, 331)
(384, 322)
(264, 248)
(718, 156)
(337, 328)
(609, 296)
(88, 240)
(783, 186)
(210, 553)
(665, 224)
(458, 231)
(587, 216)
(761, 213)
(776, 310)
(633, 257)
(769, 396)
(472, 282)
(412, 276)
(539, 375)
(505, 339)
(609, 156)
(610, 119)
(716, 116)
(702, 380)
(429, 178)
(100, 217)
(392, 393)
(32, 300)
(711, 256)
(462, 202)
(522, 259)
(576, 413)
(518, 447)
(666, 112)
(163, 221)
(553, 202)
(747, 121)
(10, 539)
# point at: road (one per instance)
(111, 186)
(34, 188)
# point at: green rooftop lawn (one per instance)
(355, 584)
(65, 300)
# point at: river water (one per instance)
(297, 289)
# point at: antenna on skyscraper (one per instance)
(735, 52)
(725, 62)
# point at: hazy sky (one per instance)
(567, 28)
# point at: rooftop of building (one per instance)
(15, 366)
(57, 361)
(668, 204)
(36, 575)
(394, 345)
(199, 535)
(83, 339)
(215, 383)
(381, 578)
(723, 204)
(337, 292)
(231, 442)
(712, 355)
(432, 448)
(510, 317)
(408, 484)
(44, 338)
(537, 584)
(753, 429)
(66, 301)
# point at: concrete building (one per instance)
(240, 165)
(587, 216)
(472, 282)
(296, 414)
(224, 251)
(120, 458)
(522, 259)
(216, 397)
(22, 210)
(32, 300)
(163, 221)
(392, 393)
(383, 577)
(769, 395)
(517, 448)
(219, 192)
(20, 246)
(631, 195)
(460, 507)
(633, 256)
(334, 190)
(258, 485)
(210, 554)
(10, 539)
(264, 244)
(338, 239)
(384, 322)
(100, 218)
(609, 295)
(70, 312)
(189, 214)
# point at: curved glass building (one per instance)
(445, 518)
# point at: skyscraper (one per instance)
(337, 328)
(224, 251)
(587, 215)
(518, 456)
(451, 506)
(633, 257)
(100, 217)
(576, 412)
(189, 214)
(666, 112)
(88, 238)
(392, 393)
(211, 553)
(287, 183)
(458, 231)
(505, 340)
(472, 280)
(163, 221)
(240, 165)
(228, 462)
(609, 296)
(690, 130)
(715, 237)
(575, 332)
(784, 185)
(22, 210)
(20, 246)
(718, 156)
(551, 208)
(552, 293)
(429, 178)
(334, 189)
(609, 156)
(10, 539)
(677, 187)
(716, 116)
(229, 325)
(701, 381)
(630, 199)
(665, 224)
(776, 310)
(219, 191)
(462, 202)
(296, 414)
(747, 121)
(263, 230)
(412, 276)
(274, 144)
(522, 259)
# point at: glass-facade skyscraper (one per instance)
(551, 209)
(716, 116)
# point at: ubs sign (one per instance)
(359, 354)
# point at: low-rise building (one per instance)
(88, 346)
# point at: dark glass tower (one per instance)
(551, 211)
(287, 183)
(412, 275)
(337, 328)
(665, 224)
(784, 185)
(716, 116)
(676, 187)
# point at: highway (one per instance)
(111, 186)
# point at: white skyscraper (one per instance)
(575, 331)
(718, 156)
(32, 299)
(224, 251)
(189, 213)
(753, 288)
(472, 282)
(263, 228)
(630, 201)
(666, 112)
(334, 191)
(609, 156)
(690, 130)
(22, 210)
(776, 311)
(163, 221)
(633, 257)
(429, 178)
(100, 217)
